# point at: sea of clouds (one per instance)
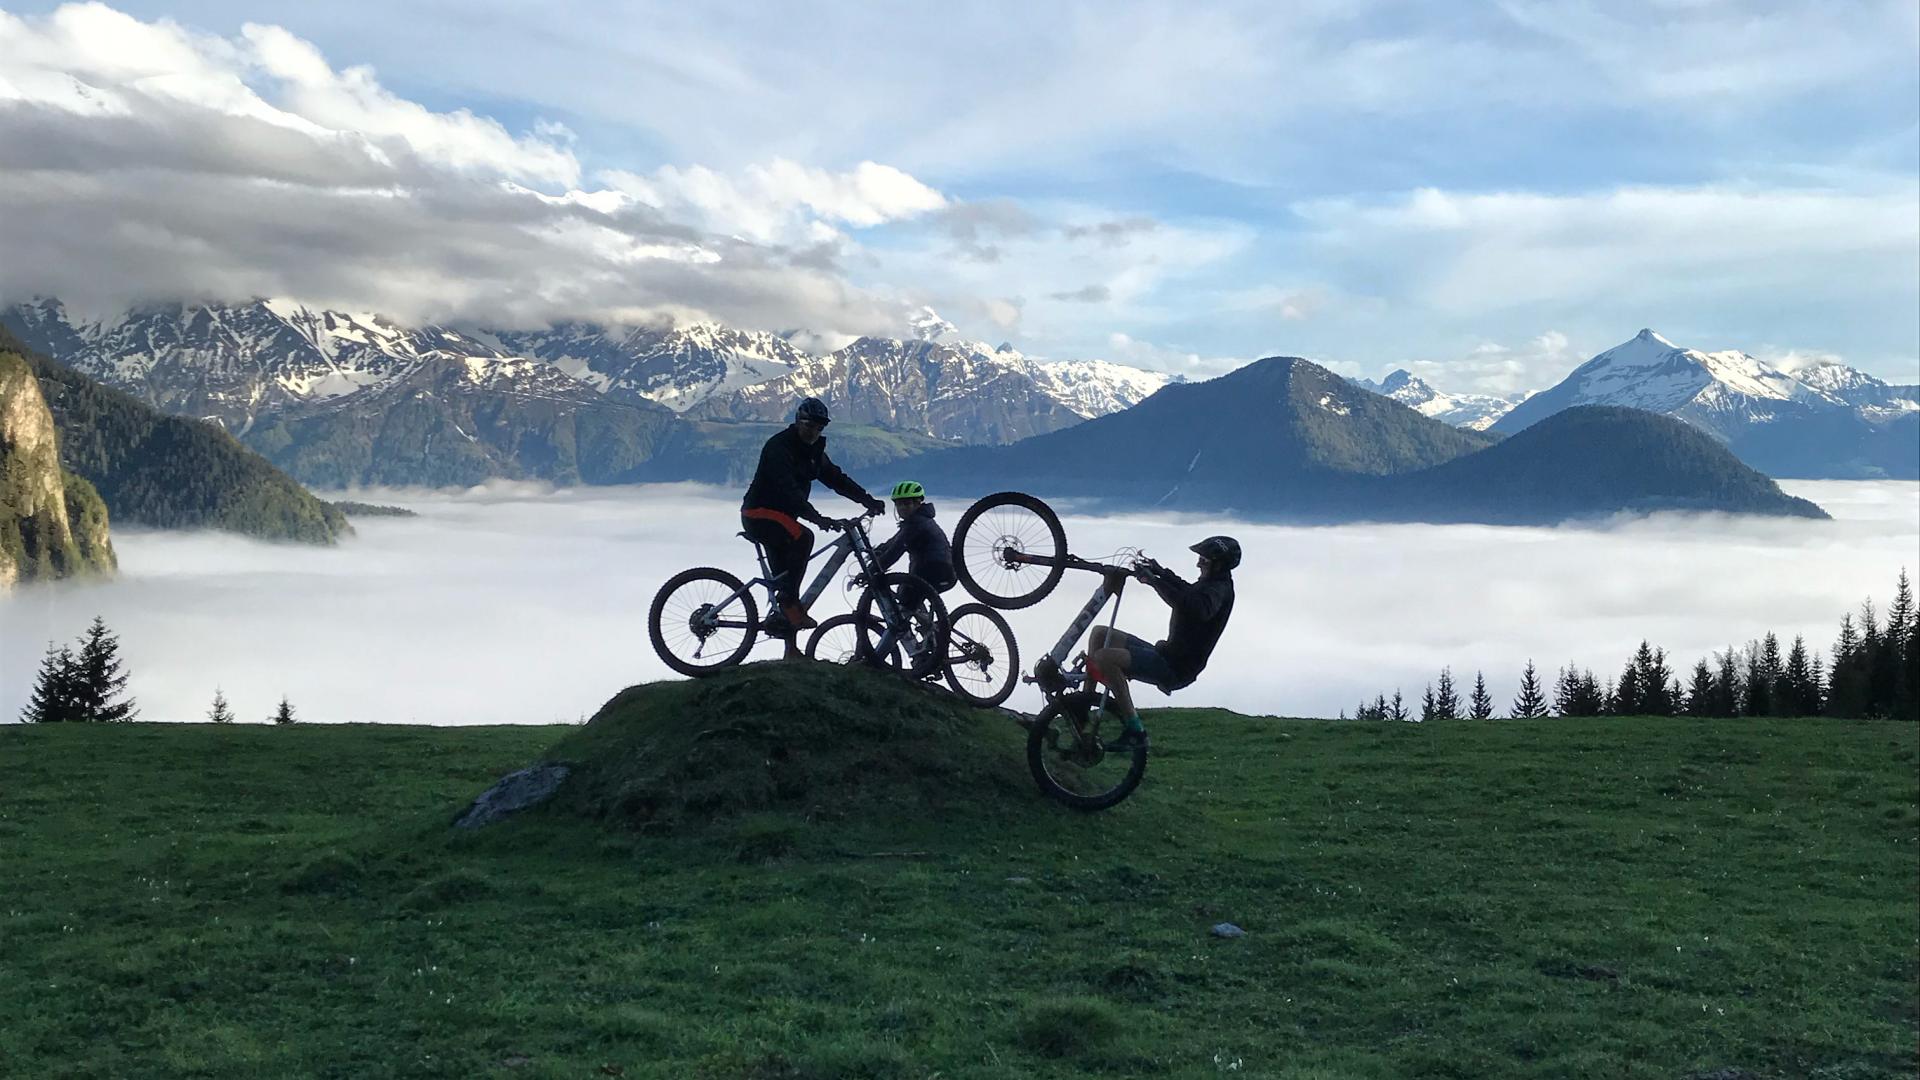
(518, 604)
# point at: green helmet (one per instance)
(907, 489)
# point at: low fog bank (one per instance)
(515, 604)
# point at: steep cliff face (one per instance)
(52, 523)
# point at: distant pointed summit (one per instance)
(1828, 420)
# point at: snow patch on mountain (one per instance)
(1097, 387)
(1475, 411)
(927, 325)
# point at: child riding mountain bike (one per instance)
(924, 543)
(1200, 612)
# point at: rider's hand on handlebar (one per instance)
(832, 524)
(875, 507)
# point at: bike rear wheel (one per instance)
(837, 641)
(703, 620)
(982, 658)
(1069, 761)
(910, 638)
(1009, 523)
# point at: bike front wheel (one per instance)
(1070, 762)
(991, 537)
(703, 620)
(903, 621)
(837, 641)
(982, 658)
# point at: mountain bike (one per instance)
(1011, 552)
(980, 663)
(705, 619)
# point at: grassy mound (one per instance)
(803, 738)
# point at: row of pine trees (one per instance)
(86, 683)
(1873, 672)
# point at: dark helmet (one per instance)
(1222, 551)
(812, 410)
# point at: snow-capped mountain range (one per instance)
(235, 363)
(1827, 420)
(1475, 411)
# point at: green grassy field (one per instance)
(1607, 898)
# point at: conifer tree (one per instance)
(1576, 693)
(1426, 705)
(1659, 690)
(1379, 707)
(1700, 691)
(1531, 701)
(1726, 686)
(1446, 700)
(1847, 676)
(1480, 706)
(1819, 685)
(220, 713)
(1796, 695)
(101, 678)
(1759, 682)
(1397, 709)
(55, 697)
(283, 714)
(1626, 696)
(1872, 657)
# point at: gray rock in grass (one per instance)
(513, 793)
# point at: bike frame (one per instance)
(852, 541)
(1089, 613)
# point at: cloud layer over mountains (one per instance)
(509, 604)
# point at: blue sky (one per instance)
(1486, 192)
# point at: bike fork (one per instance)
(1106, 692)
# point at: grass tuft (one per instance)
(1067, 1027)
(447, 890)
(331, 873)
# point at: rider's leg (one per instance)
(787, 545)
(1109, 661)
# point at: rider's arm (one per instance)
(832, 476)
(900, 542)
(1192, 599)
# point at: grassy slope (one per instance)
(1619, 898)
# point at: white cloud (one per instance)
(1493, 368)
(1474, 253)
(1323, 617)
(782, 201)
(143, 161)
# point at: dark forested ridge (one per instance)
(1592, 460)
(168, 472)
(1281, 436)
(1285, 438)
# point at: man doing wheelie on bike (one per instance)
(779, 499)
(1200, 612)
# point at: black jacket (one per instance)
(784, 479)
(1200, 613)
(929, 553)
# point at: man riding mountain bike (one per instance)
(1200, 612)
(779, 498)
